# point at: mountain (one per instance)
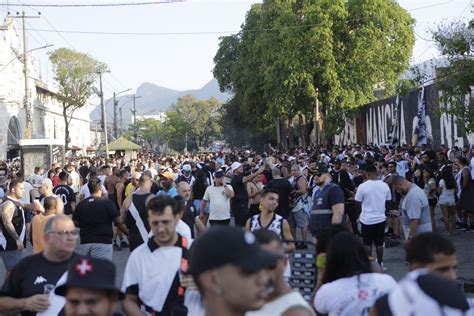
(154, 99)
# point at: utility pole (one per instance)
(104, 117)
(115, 112)
(115, 117)
(26, 102)
(134, 113)
(121, 121)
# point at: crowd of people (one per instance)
(214, 233)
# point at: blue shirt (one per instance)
(172, 192)
(326, 197)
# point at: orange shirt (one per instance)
(37, 231)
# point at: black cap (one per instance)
(90, 273)
(323, 168)
(228, 245)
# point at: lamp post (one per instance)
(115, 111)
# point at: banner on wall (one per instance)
(411, 119)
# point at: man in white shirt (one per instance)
(219, 197)
(373, 194)
(74, 178)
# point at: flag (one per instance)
(419, 133)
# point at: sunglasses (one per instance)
(318, 174)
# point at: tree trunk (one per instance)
(66, 131)
(302, 123)
(291, 134)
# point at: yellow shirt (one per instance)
(37, 231)
(129, 189)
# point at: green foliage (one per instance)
(198, 120)
(456, 42)
(75, 73)
(289, 53)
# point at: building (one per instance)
(161, 117)
(48, 121)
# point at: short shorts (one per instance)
(298, 219)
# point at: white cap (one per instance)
(236, 165)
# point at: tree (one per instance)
(455, 41)
(75, 73)
(192, 118)
(290, 53)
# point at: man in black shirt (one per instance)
(239, 204)
(94, 216)
(284, 189)
(23, 292)
(66, 194)
(135, 215)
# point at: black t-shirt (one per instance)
(155, 188)
(95, 216)
(284, 189)
(67, 195)
(31, 274)
(198, 190)
(240, 191)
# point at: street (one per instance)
(394, 258)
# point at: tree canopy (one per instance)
(188, 120)
(455, 41)
(75, 73)
(290, 53)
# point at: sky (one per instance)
(181, 56)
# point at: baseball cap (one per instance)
(136, 175)
(187, 168)
(234, 166)
(220, 246)
(90, 273)
(219, 173)
(35, 180)
(168, 175)
(323, 168)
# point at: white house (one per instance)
(48, 121)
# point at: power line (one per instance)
(82, 5)
(430, 6)
(60, 35)
(144, 33)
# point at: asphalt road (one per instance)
(394, 258)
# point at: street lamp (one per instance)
(28, 51)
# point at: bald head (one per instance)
(184, 190)
(276, 173)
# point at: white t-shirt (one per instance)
(402, 168)
(472, 168)
(85, 191)
(74, 176)
(183, 229)
(102, 178)
(26, 197)
(373, 194)
(353, 295)
(219, 203)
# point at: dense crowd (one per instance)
(214, 233)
